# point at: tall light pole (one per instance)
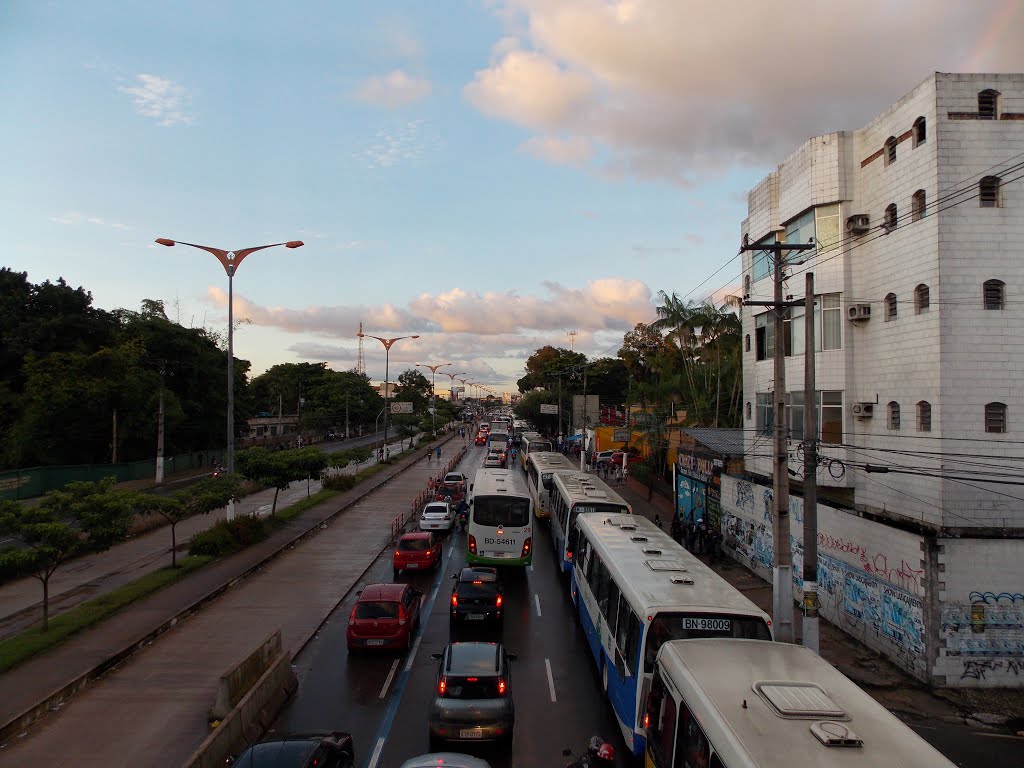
(230, 261)
(452, 376)
(388, 343)
(433, 393)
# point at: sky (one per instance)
(486, 174)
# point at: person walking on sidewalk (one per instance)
(439, 453)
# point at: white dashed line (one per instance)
(536, 599)
(387, 683)
(376, 753)
(551, 681)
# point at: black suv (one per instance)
(477, 597)
(299, 750)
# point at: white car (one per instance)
(456, 477)
(437, 516)
(602, 456)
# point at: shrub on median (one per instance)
(340, 482)
(229, 536)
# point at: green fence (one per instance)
(35, 481)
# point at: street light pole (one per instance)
(433, 392)
(388, 343)
(230, 261)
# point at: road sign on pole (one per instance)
(401, 408)
(549, 408)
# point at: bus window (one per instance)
(613, 606)
(633, 632)
(692, 747)
(661, 709)
(689, 626)
(601, 593)
(573, 537)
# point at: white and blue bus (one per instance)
(500, 528)
(637, 589)
(543, 465)
(532, 442)
(574, 493)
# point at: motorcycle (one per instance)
(599, 754)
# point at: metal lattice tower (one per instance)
(360, 363)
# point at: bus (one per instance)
(500, 530)
(574, 493)
(636, 589)
(538, 479)
(754, 704)
(532, 442)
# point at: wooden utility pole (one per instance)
(782, 552)
(160, 433)
(810, 574)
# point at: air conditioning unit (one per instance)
(858, 224)
(859, 312)
(863, 410)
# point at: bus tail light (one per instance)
(647, 719)
(455, 600)
(526, 546)
(568, 555)
(472, 544)
(498, 601)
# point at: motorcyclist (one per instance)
(462, 513)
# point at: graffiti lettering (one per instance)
(768, 498)
(992, 597)
(745, 496)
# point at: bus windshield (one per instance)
(688, 626)
(494, 512)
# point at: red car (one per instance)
(480, 439)
(384, 616)
(418, 551)
(452, 492)
(633, 458)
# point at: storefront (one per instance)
(698, 488)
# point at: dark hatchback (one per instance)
(477, 597)
(299, 750)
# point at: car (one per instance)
(385, 616)
(478, 597)
(437, 516)
(419, 551)
(299, 750)
(456, 477)
(448, 759)
(495, 460)
(449, 491)
(631, 456)
(480, 439)
(472, 695)
(603, 456)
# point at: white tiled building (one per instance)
(918, 219)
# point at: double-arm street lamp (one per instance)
(230, 261)
(388, 343)
(433, 393)
(452, 386)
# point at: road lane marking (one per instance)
(376, 753)
(536, 599)
(551, 680)
(387, 683)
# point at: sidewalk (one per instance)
(151, 708)
(884, 681)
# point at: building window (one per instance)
(894, 415)
(764, 335)
(917, 205)
(988, 192)
(924, 416)
(994, 294)
(748, 410)
(889, 222)
(921, 299)
(890, 150)
(920, 132)
(765, 413)
(995, 417)
(746, 343)
(795, 412)
(764, 261)
(988, 105)
(830, 416)
(830, 333)
(890, 307)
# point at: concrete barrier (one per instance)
(238, 680)
(250, 718)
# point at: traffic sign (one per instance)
(401, 408)
(549, 408)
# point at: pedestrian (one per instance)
(430, 453)
(431, 483)
(690, 533)
(675, 529)
(657, 520)
(716, 545)
(702, 537)
(439, 453)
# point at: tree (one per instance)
(414, 387)
(80, 518)
(277, 469)
(528, 409)
(642, 352)
(312, 461)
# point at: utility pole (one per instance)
(559, 405)
(782, 552)
(160, 433)
(810, 604)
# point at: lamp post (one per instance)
(230, 261)
(388, 343)
(433, 392)
(452, 385)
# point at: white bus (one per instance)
(543, 465)
(500, 519)
(574, 493)
(532, 442)
(637, 589)
(753, 704)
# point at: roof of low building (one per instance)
(726, 442)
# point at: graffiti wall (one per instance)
(871, 576)
(981, 604)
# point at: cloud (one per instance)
(572, 151)
(682, 91)
(393, 90)
(74, 217)
(399, 144)
(160, 98)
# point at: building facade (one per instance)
(918, 224)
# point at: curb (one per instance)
(60, 696)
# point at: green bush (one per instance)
(339, 482)
(229, 536)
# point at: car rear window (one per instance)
(377, 609)
(469, 589)
(448, 490)
(472, 688)
(414, 545)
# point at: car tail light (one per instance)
(568, 554)
(526, 546)
(455, 600)
(472, 544)
(502, 686)
(647, 719)
(442, 686)
(472, 679)
(498, 601)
